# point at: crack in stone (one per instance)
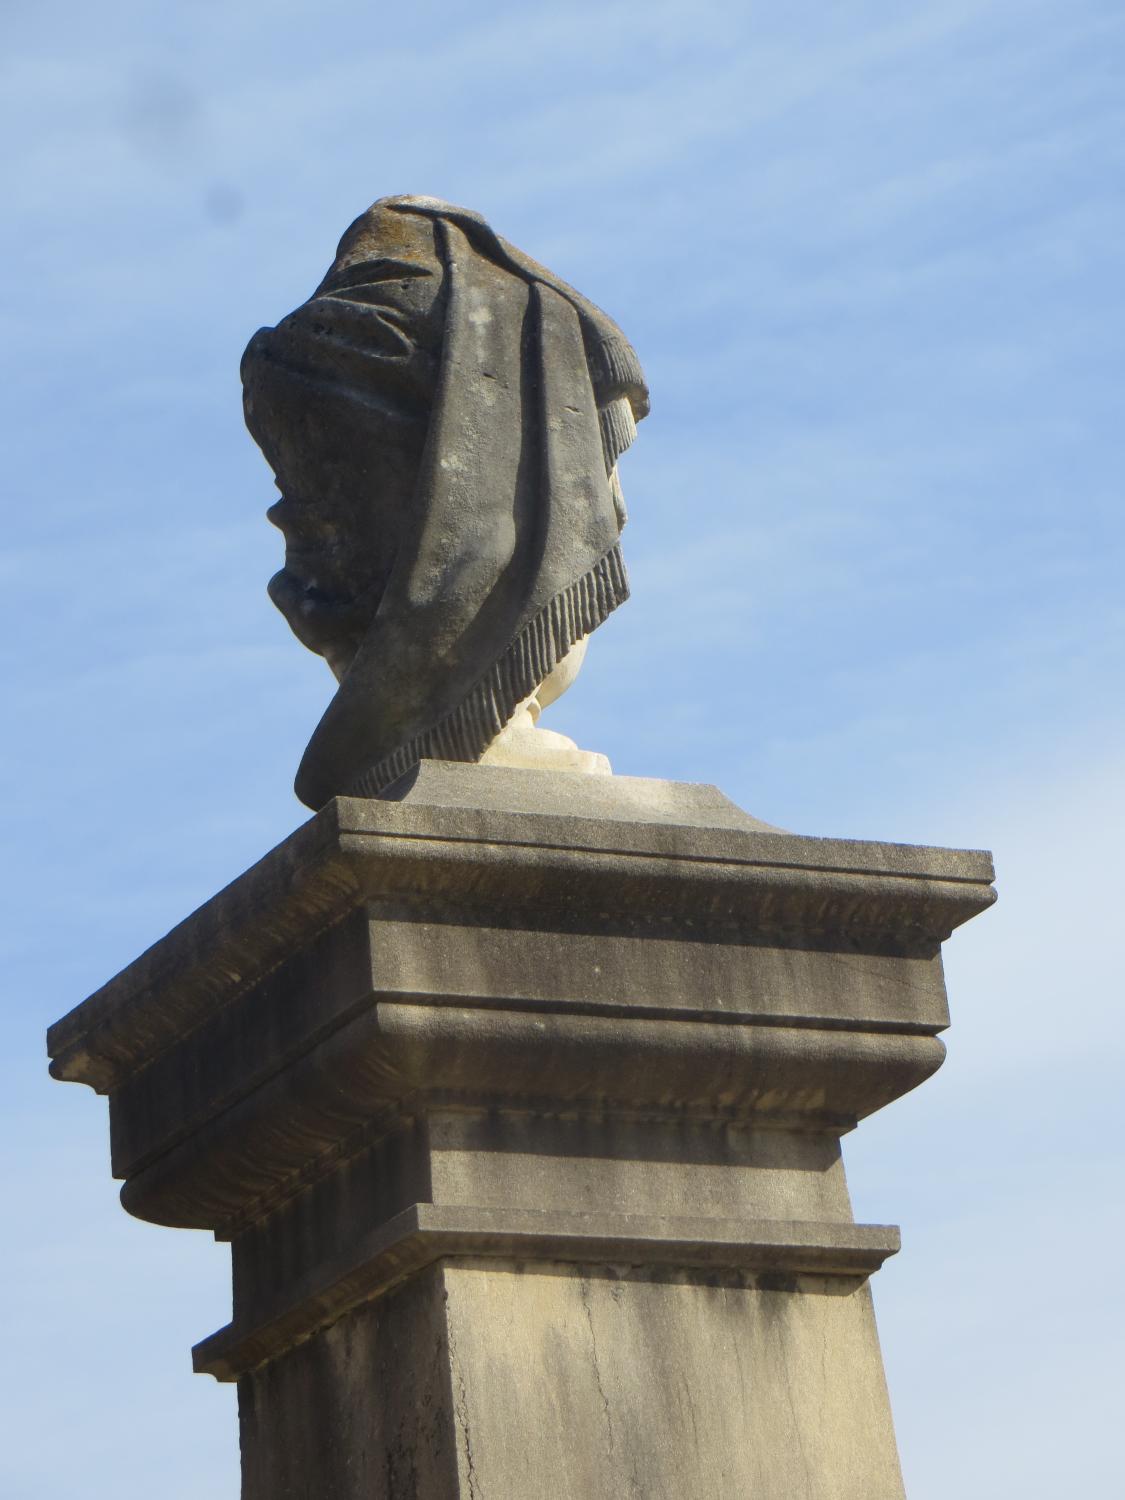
(584, 1286)
(461, 1411)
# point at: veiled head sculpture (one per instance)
(444, 419)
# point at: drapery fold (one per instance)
(508, 553)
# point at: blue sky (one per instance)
(870, 255)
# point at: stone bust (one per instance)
(444, 418)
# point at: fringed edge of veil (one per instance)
(465, 732)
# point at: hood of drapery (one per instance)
(457, 413)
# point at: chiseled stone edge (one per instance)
(426, 1232)
(394, 1056)
(355, 850)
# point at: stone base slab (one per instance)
(427, 1232)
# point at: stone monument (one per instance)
(516, 1090)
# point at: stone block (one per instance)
(519, 1099)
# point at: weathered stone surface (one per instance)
(444, 419)
(601, 1384)
(604, 868)
(590, 1383)
(309, 1425)
(519, 1098)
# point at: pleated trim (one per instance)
(616, 371)
(618, 429)
(466, 732)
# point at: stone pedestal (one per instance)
(519, 1099)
